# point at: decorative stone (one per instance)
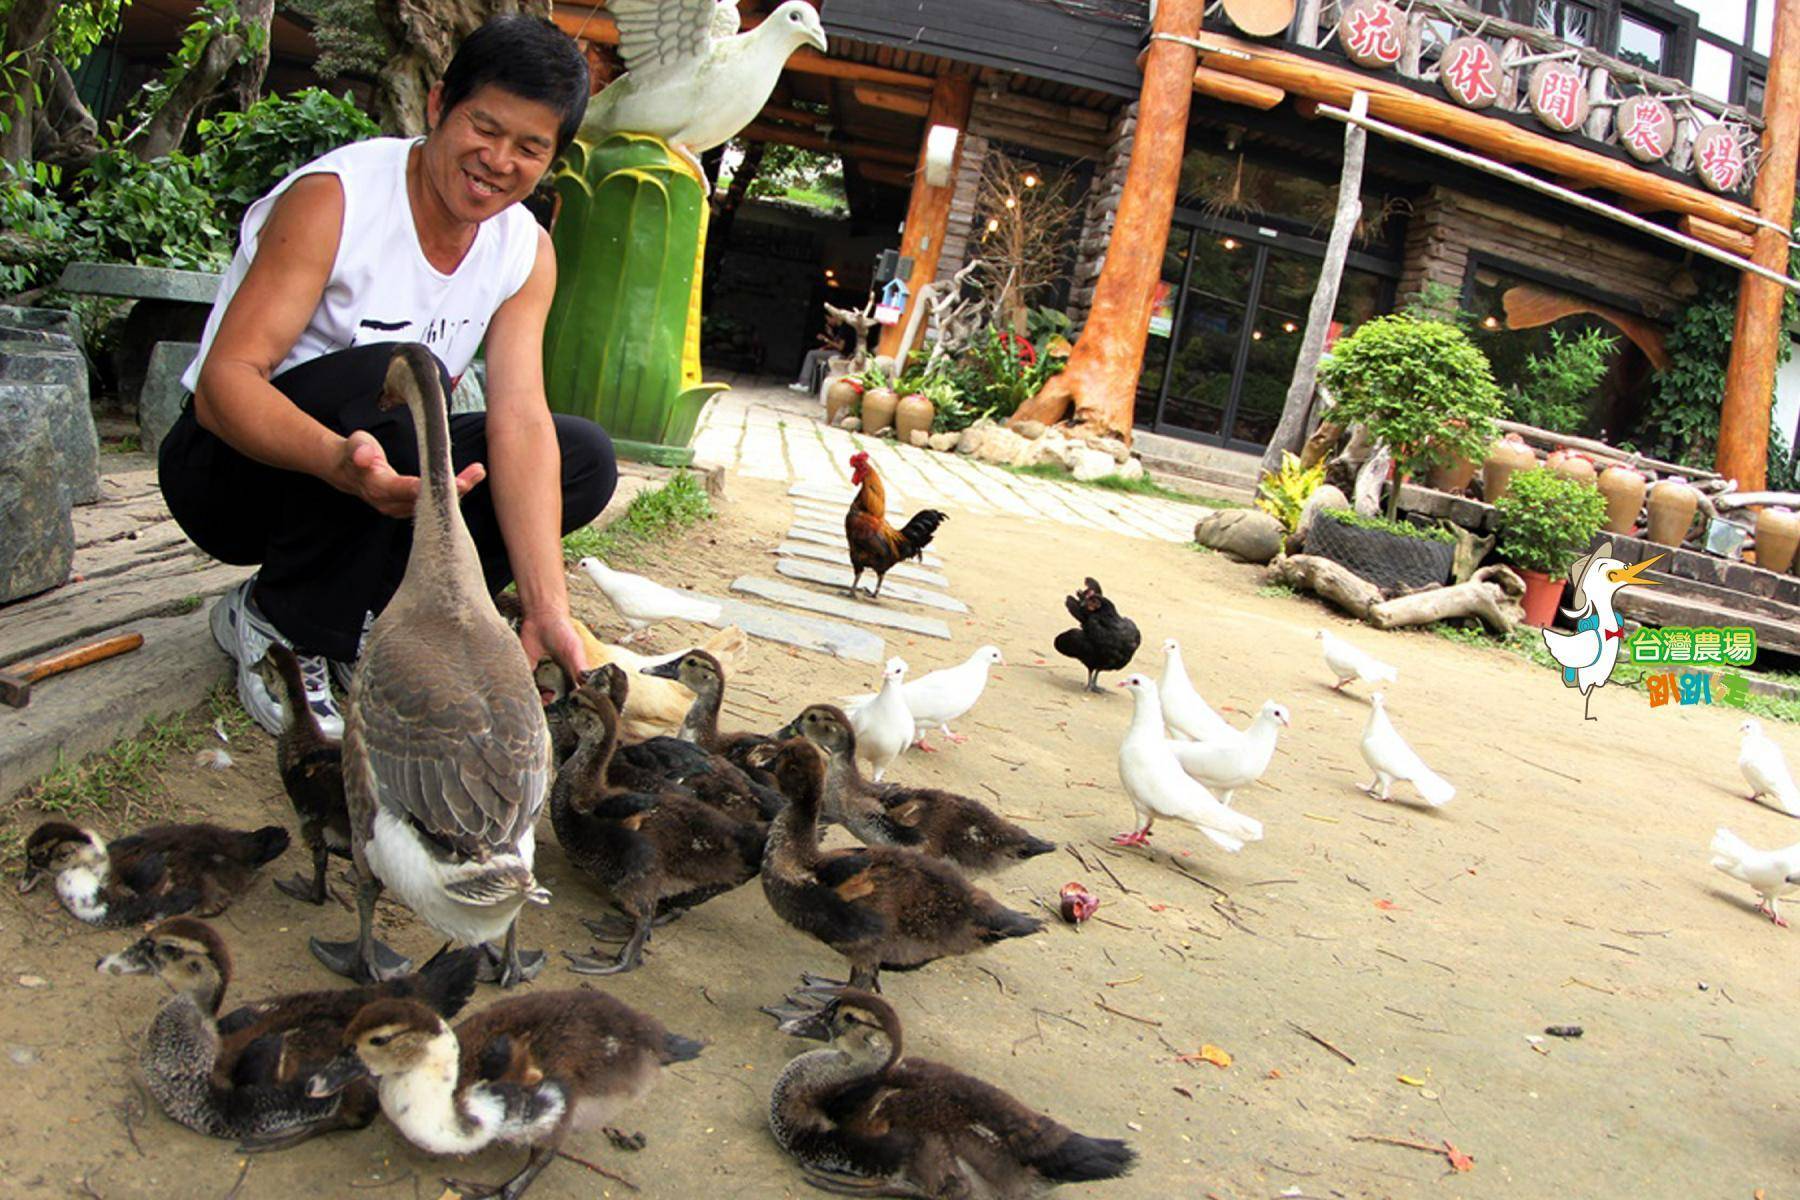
(1646, 128)
(853, 424)
(1089, 465)
(55, 366)
(1324, 496)
(1470, 72)
(1558, 96)
(159, 404)
(147, 283)
(1131, 468)
(37, 536)
(40, 324)
(1372, 33)
(944, 441)
(1246, 534)
(1719, 157)
(1029, 429)
(919, 437)
(1119, 450)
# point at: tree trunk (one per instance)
(28, 27)
(66, 134)
(425, 34)
(1100, 381)
(244, 83)
(166, 127)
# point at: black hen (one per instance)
(1106, 641)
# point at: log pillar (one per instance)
(1750, 373)
(928, 210)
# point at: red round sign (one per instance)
(1558, 96)
(1719, 157)
(1646, 128)
(1372, 32)
(1470, 72)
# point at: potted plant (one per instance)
(1283, 494)
(1395, 556)
(1547, 521)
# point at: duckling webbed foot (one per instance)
(512, 1189)
(613, 928)
(630, 957)
(630, 1142)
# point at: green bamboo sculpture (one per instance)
(622, 345)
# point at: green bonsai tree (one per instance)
(1420, 386)
(1547, 521)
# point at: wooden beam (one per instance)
(1756, 343)
(1718, 235)
(887, 99)
(883, 173)
(761, 131)
(928, 210)
(1235, 90)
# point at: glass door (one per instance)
(1203, 361)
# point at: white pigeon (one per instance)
(1392, 759)
(1766, 769)
(1236, 760)
(644, 602)
(941, 696)
(884, 727)
(1347, 662)
(687, 84)
(1158, 787)
(1187, 714)
(1770, 872)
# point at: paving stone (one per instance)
(808, 633)
(842, 557)
(814, 572)
(839, 606)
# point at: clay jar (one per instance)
(1777, 537)
(1570, 465)
(878, 409)
(1454, 477)
(1508, 454)
(840, 398)
(1671, 504)
(1624, 492)
(913, 414)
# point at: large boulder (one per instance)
(1246, 534)
(159, 403)
(54, 365)
(37, 536)
(1324, 496)
(990, 442)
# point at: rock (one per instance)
(55, 365)
(1029, 429)
(1052, 448)
(1090, 465)
(37, 536)
(150, 283)
(160, 401)
(997, 444)
(944, 441)
(40, 324)
(920, 437)
(1246, 534)
(1111, 445)
(1131, 468)
(884, 431)
(853, 424)
(1325, 496)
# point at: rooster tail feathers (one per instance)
(921, 528)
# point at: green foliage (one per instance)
(30, 209)
(1356, 520)
(1784, 467)
(1283, 494)
(1547, 521)
(996, 374)
(155, 214)
(349, 35)
(1681, 423)
(1438, 301)
(1557, 385)
(805, 177)
(1420, 386)
(874, 376)
(244, 154)
(652, 516)
(1044, 323)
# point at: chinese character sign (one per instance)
(1646, 128)
(1718, 158)
(1470, 72)
(1558, 97)
(1733, 645)
(1371, 33)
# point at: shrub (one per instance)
(247, 153)
(1000, 372)
(155, 214)
(32, 213)
(1547, 521)
(1557, 385)
(1283, 494)
(1356, 520)
(1420, 386)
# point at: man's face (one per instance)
(489, 151)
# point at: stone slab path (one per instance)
(841, 606)
(840, 556)
(839, 578)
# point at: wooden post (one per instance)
(928, 211)
(1750, 372)
(1291, 431)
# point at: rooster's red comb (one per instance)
(860, 459)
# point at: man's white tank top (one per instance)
(381, 287)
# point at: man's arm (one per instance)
(527, 461)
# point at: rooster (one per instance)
(874, 544)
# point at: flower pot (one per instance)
(1570, 465)
(1542, 594)
(913, 415)
(1777, 537)
(840, 398)
(878, 406)
(1453, 477)
(1671, 504)
(1624, 491)
(1508, 454)
(1392, 562)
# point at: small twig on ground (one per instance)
(1116, 880)
(131, 1109)
(1440, 966)
(1592, 987)
(1211, 887)
(90, 1189)
(1138, 978)
(1719, 1037)
(1540, 766)
(1377, 820)
(1270, 882)
(1403, 1012)
(597, 1169)
(1429, 896)
(1076, 855)
(990, 974)
(1311, 1036)
(1059, 1017)
(1391, 954)
(1117, 1012)
(992, 791)
(1359, 883)
(1106, 921)
(1036, 1036)
(1621, 949)
(707, 996)
(243, 1172)
(1644, 932)
(1231, 918)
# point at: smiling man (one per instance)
(283, 458)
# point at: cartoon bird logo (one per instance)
(1589, 655)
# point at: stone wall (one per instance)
(1102, 208)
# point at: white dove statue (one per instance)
(940, 697)
(1770, 872)
(1588, 655)
(1766, 769)
(1392, 759)
(644, 602)
(687, 84)
(884, 727)
(1348, 662)
(1187, 714)
(1236, 760)
(1158, 787)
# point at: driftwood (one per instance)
(1328, 580)
(1470, 550)
(860, 321)
(1366, 498)
(1492, 594)
(1319, 444)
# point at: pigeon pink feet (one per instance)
(924, 747)
(958, 738)
(1136, 837)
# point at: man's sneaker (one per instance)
(341, 673)
(315, 674)
(244, 634)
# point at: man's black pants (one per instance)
(327, 560)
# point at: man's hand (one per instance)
(363, 471)
(553, 635)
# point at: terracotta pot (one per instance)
(1777, 537)
(1507, 455)
(914, 414)
(840, 398)
(878, 406)
(1671, 504)
(1454, 477)
(1624, 492)
(1570, 465)
(1542, 594)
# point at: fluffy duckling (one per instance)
(878, 906)
(701, 674)
(859, 1117)
(154, 873)
(527, 1071)
(943, 824)
(312, 771)
(245, 1075)
(651, 853)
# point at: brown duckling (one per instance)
(527, 1071)
(701, 674)
(244, 1075)
(945, 824)
(878, 906)
(651, 853)
(154, 873)
(859, 1117)
(312, 771)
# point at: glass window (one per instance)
(1724, 17)
(1754, 87)
(1713, 69)
(1763, 38)
(1642, 44)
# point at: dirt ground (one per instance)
(1567, 883)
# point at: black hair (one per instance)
(528, 57)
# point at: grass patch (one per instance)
(652, 516)
(1276, 591)
(127, 444)
(1356, 520)
(1143, 485)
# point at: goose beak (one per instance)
(336, 1075)
(1630, 574)
(139, 958)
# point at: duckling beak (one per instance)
(813, 1025)
(336, 1075)
(663, 670)
(790, 730)
(30, 879)
(139, 958)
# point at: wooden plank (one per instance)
(842, 558)
(838, 606)
(839, 577)
(84, 609)
(888, 99)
